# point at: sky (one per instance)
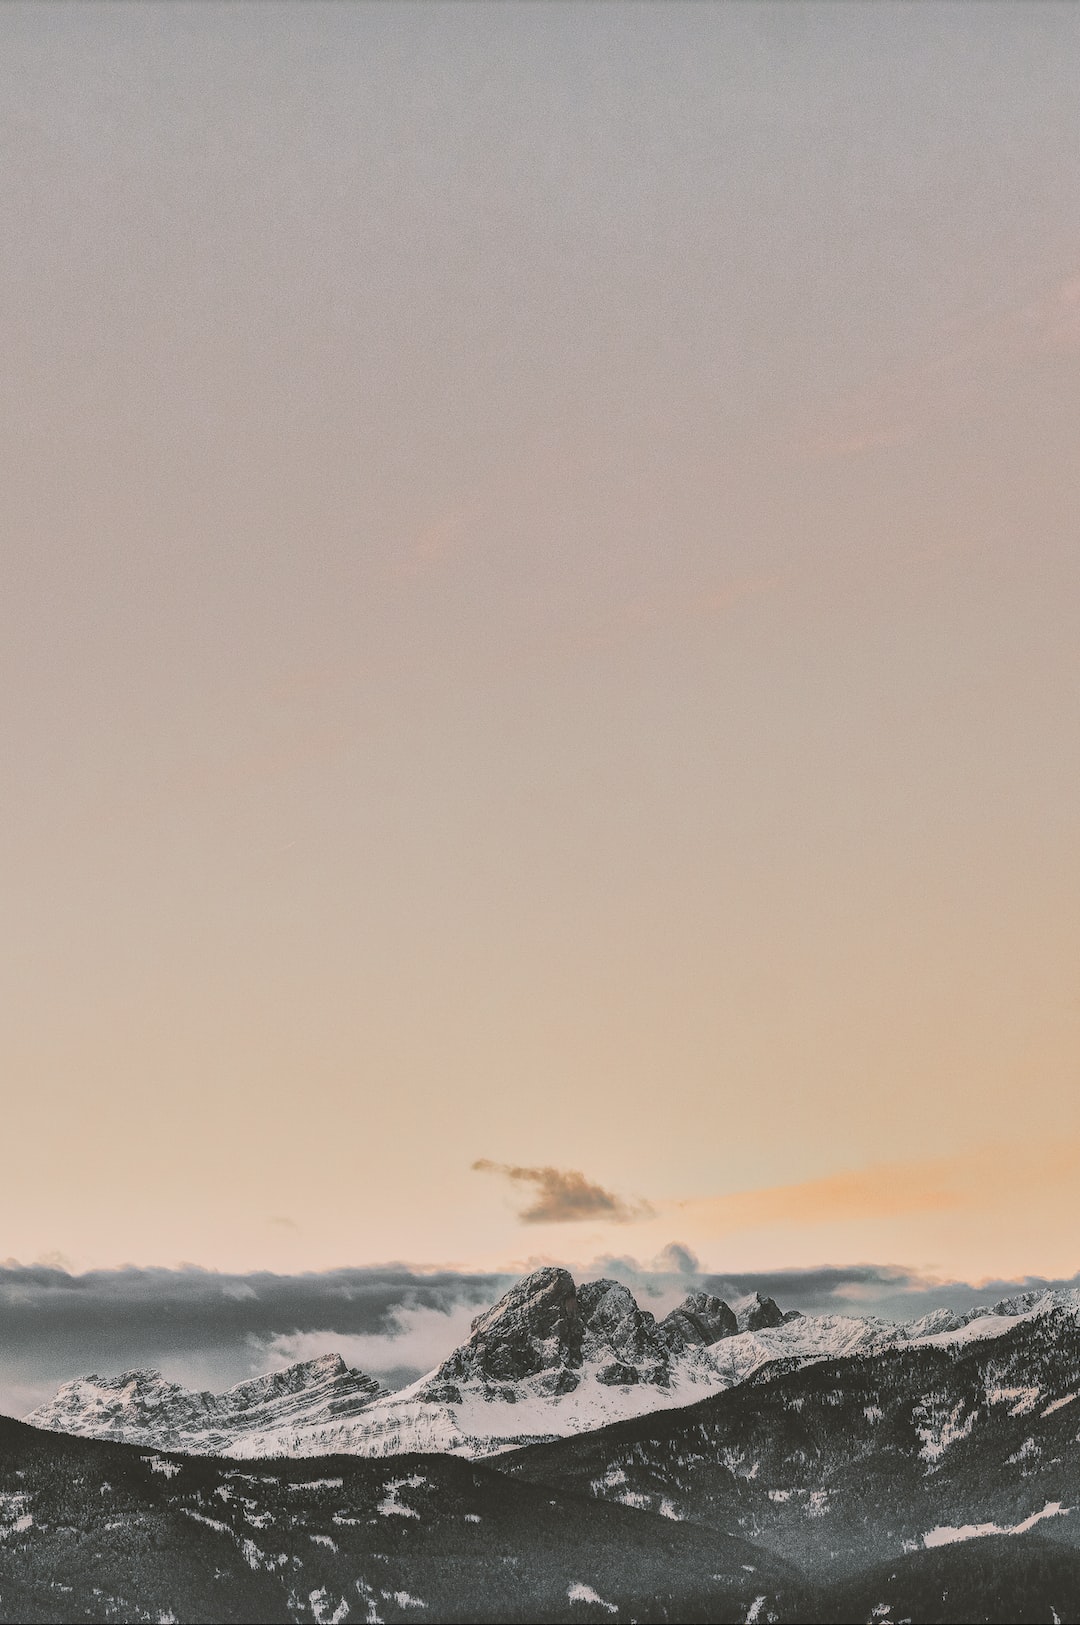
(538, 641)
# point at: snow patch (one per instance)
(367, 1596)
(1020, 1400)
(942, 1429)
(583, 1593)
(946, 1534)
(391, 1506)
(212, 1523)
(1028, 1448)
(159, 1465)
(14, 1518)
(320, 1607)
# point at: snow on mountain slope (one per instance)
(143, 1407)
(945, 1327)
(547, 1361)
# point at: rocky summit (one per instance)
(698, 1321)
(535, 1328)
(547, 1328)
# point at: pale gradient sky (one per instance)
(539, 622)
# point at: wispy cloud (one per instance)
(970, 1181)
(866, 1193)
(1051, 323)
(441, 539)
(951, 376)
(565, 1196)
(653, 613)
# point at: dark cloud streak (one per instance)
(170, 1304)
(55, 1325)
(889, 1291)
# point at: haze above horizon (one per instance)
(539, 634)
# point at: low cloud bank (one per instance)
(209, 1330)
(889, 1291)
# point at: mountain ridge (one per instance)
(549, 1359)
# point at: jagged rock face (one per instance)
(545, 1328)
(615, 1326)
(535, 1328)
(756, 1314)
(343, 1389)
(699, 1320)
(548, 1330)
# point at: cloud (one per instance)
(948, 379)
(440, 540)
(719, 599)
(639, 617)
(892, 1291)
(565, 1196)
(985, 1177)
(417, 1339)
(675, 1257)
(882, 1191)
(826, 1289)
(1052, 323)
(208, 1329)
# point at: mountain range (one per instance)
(727, 1462)
(548, 1360)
